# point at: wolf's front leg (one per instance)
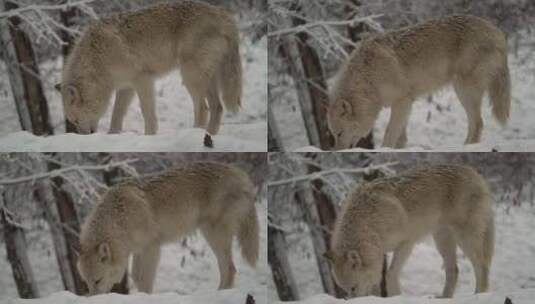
(123, 99)
(144, 267)
(401, 254)
(145, 91)
(399, 117)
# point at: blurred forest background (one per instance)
(45, 197)
(305, 191)
(35, 34)
(310, 39)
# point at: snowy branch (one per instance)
(59, 172)
(320, 174)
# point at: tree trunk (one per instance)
(17, 256)
(315, 84)
(43, 197)
(71, 227)
(67, 19)
(23, 72)
(326, 211)
(274, 137)
(280, 267)
(305, 199)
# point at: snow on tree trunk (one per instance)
(23, 73)
(71, 227)
(17, 256)
(305, 199)
(280, 267)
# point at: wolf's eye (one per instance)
(98, 281)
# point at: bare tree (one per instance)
(15, 242)
(23, 74)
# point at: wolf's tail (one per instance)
(500, 93)
(230, 76)
(248, 236)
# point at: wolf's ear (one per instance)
(73, 94)
(58, 87)
(329, 256)
(104, 254)
(347, 108)
(353, 258)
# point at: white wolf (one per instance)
(138, 216)
(128, 51)
(393, 69)
(453, 203)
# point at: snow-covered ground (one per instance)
(244, 132)
(441, 125)
(65, 297)
(519, 297)
(183, 270)
(512, 270)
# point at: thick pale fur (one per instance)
(139, 216)
(451, 202)
(394, 68)
(127, 52)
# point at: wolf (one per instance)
(138, 216)
(394, 68)
(127, 52)
(450, 202)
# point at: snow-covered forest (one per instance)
(305, 191)
(310, 40)
(45, 198)
(37, 37)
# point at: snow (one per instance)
(440, 125)
(520, 297)
(512, 270)
(183, 270)
(245, 131)
(215, 297)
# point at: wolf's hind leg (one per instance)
(446, 245)
(215, 107)
(123, 99)
(197, 88)
(145, 91)
(144, 267)
(470, 94)
(401, 254)
(220, 240)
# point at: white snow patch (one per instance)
(519, 297)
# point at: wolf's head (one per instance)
(100, 268)
(84, 104)
(356, 272)
(348, 123)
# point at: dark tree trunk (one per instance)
(316, 85)
(17, 256)
(24, 76)
(67, 19)
(326, 211)
(274, 137)
(280, 267)
(71, 227)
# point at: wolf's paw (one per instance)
(208, 141)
